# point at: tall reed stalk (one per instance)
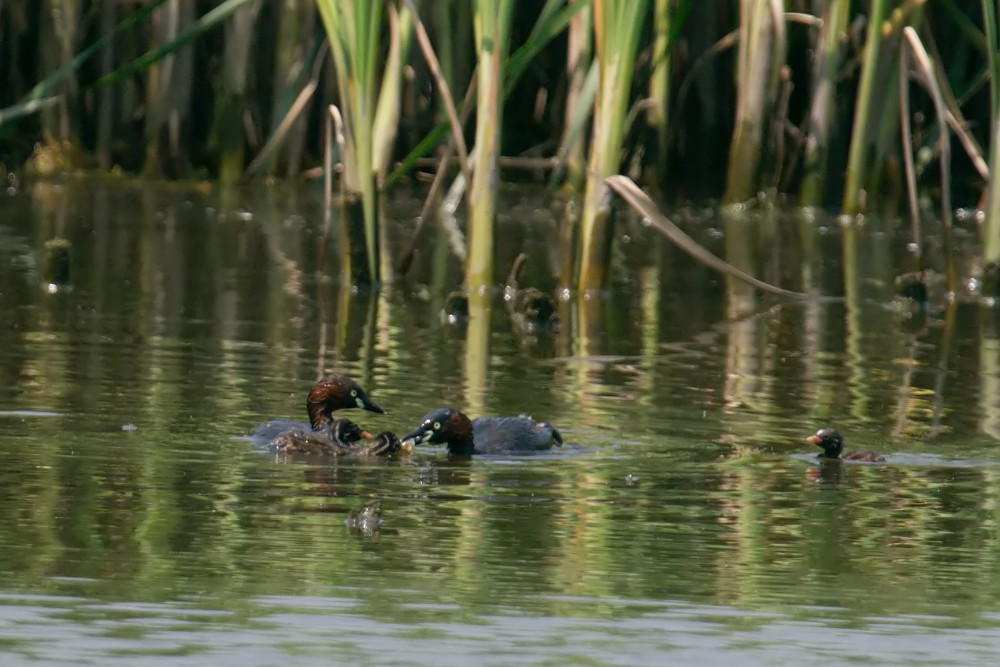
(861, 140)
(354, 30)
(991, 240)
(616, 37)
(659, 82)
(168, 89)
(761, 51)
(990, 29)
(989, 378)
(492, 19)
(991, 230)
(296, 26)
(829, 53)
(926, 69)
(476, 364)
(579, 53)
(65, 24)
(391, 92)
(107, 95)
(387, 109)
(237, 65)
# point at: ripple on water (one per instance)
(673, 528)
(29, 413)
(612, 631)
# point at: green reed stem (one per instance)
(492, 19)
(926, 68)
(860, 141)
(237, 64)
(991, 231)
(354, 30)
(579, 54)
(668, 17)
(991, 240)
(294, 84)
(992, 53)
(829, 55)
(444, 90)
(659, 83)
(390, 95)
(616, 36)
(761, 50)
(909, 171)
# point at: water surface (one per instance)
(685, 521)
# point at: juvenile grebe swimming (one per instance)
(833, 447)
(341, 437)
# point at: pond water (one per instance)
(684, 522)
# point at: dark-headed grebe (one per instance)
(485, 435)
(833, 447)
(333, 392)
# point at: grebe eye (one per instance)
(354, 392)
(437, 426)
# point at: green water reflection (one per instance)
(684, 506)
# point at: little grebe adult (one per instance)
(333, 392)
(833, 447)
(485, 435)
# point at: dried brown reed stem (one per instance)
(641, 202)
(288, 121)
(457, 133)
(926, 69)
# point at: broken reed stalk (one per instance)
(333, 138)
(926, 69)
(447, 101)
(331, 134)
(492, 19)
(643, 205)
(959, 125)
(28, 108)
(907, 145)
(616, 38)
(433, 194)
(352, 222)
(269, 152)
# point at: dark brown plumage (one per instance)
(531, 309)
(337, 438)
(333, 392)
(340, 438)
(833, 447)
(485, 435)
(336, 392)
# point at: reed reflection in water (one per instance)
(685, 514)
